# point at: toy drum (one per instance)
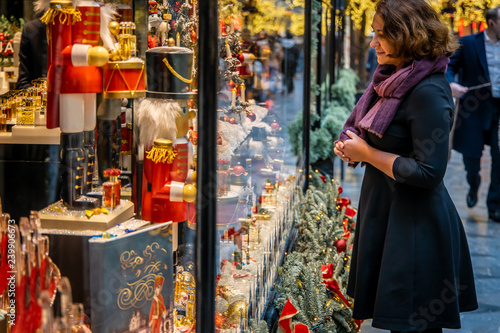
(124, 79)
(170, 72)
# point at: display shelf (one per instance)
(34, 135)
(51, 218)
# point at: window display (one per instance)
(127, 131)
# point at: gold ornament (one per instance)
(114, 55)
(189, 193)
(98, 56)
(114, 28)
(236, 311)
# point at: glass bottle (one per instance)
(3, 122)
(26, 112)
(111, 188)
(127, 40)
(8, 107)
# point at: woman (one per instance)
(411, 268)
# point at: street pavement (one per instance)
(483, 236)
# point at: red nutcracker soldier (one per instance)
(157, 306)
(74, 78)
(164, 115)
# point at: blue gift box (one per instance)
(124, 273)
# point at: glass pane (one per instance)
(259, 137)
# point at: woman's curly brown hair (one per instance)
(415, 30)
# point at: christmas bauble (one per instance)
(251, 116)
(238, 170)
(340, 189)
(275, 125)
(193, 36)
(341, 245)
(232, 121)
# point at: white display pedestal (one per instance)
(77, 221)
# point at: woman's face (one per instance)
(383, 47)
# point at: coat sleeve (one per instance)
(429, 116)
(25, 63)
(455, 64)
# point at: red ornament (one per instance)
(173, 24)
(232, 121)
(341, 245)
(193, 137)
(238, 170)
(230, 85)
(343, 202)
(193, 36)
(275, 126)
(269, 104)
(340, 189)
(251, 116)
(220, 320)
(226, 118)
(152, 41)
(177, 6)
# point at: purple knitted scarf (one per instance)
(390, 88)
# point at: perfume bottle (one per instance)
(111, 188)
(127, 40)
(26, 112)
(3, 122)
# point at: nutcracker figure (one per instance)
(157, 306)
(124, 79)
(73, 79)
(164, 115)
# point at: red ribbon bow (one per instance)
(285, 320)
(331, 283)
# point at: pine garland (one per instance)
(320, 223)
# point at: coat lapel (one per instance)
(481, 53)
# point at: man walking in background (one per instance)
(477, 65)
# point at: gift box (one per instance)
(131, 281)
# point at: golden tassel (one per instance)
(51, 15)
(161, 155)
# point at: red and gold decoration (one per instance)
(285, 320)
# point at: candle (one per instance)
(255, 76)
(231, 26)
(242, 90)
(233, 98)
(178, 40)
(228, 51)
